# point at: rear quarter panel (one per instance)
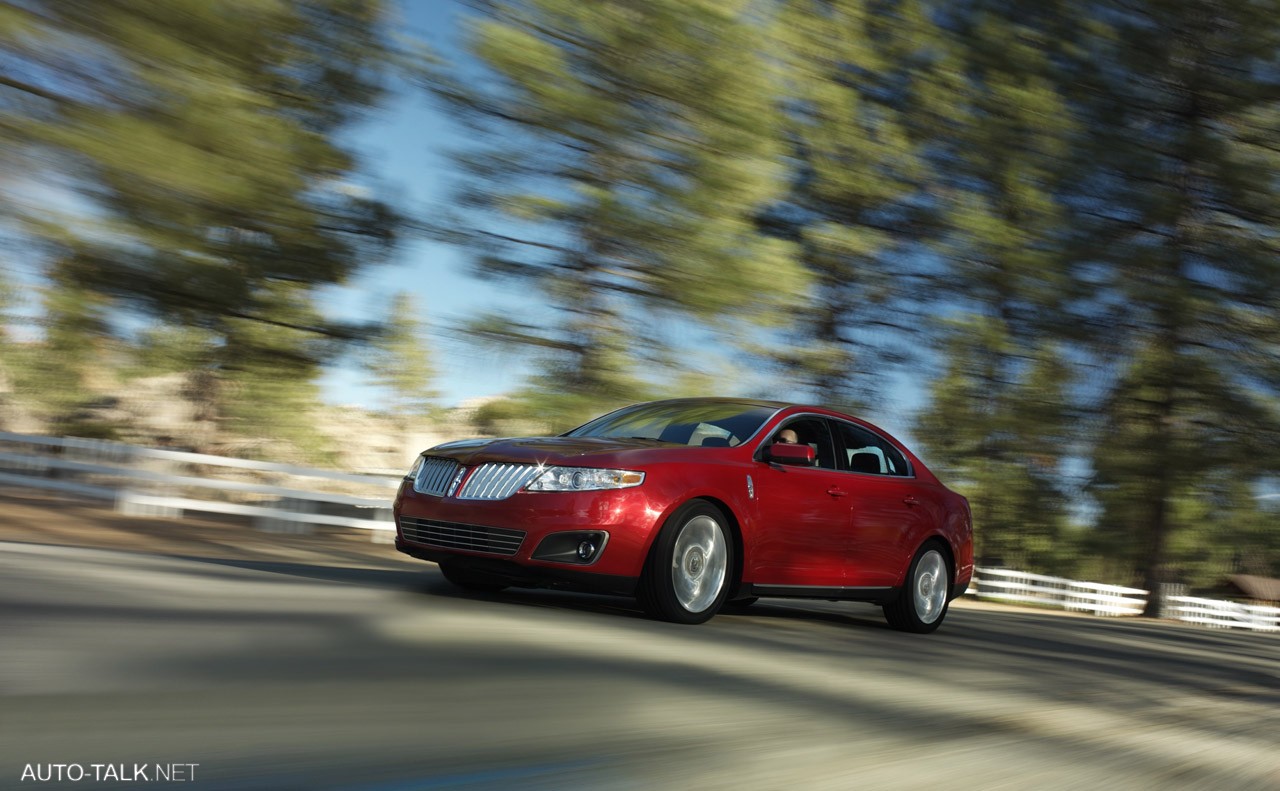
(940, 513)
(958, 530)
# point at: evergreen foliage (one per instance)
(196, 175)
(1180, 224)
(621, 152)
(401, 362)
(1001, 151)
(856, 206)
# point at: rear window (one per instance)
(864, 451)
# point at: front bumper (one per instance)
(523, 576)
(627, 516)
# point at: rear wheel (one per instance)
(686, 578)
(470, 580)
(922, 603)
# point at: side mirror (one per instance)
(783, 453)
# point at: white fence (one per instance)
(1223, 614)
(157, 482)
(1113, 600)
(1090, 597)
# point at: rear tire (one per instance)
(470, 580)
(686, 578)
(923, 601)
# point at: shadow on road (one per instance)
(350, 672)
(395, 579)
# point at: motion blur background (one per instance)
(1039, 241)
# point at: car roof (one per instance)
(723, 400)
(761, 402)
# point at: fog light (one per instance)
(580, 547)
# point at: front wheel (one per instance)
(686, 578)
(922, 603)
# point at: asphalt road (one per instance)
(278, 674)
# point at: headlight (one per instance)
(583, 479)
(413, 471)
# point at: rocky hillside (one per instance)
(162, 411)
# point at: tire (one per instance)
(687, 576)
(470, 580)
(923, 602)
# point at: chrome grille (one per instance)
(496, 481)
(453, 535)
(436, 476)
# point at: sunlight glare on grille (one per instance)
(496, 481)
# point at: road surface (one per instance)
(333, 670)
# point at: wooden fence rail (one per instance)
(1114, 600)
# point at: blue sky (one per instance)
(406, 153)
(405, 150)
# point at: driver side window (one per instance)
(809, 431)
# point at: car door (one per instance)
(891, 511)
(803, 516)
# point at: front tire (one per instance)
(686, 578)
(923, 601)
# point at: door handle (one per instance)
(911, 501)
(836, 491)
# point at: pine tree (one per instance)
(1002, 155)
(1182, 220)
(621, 151)
(197, 172)
(400, 361)
(856, 205)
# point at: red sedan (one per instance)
(691, 503)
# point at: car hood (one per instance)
(575, 451)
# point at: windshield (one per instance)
(706, 423)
